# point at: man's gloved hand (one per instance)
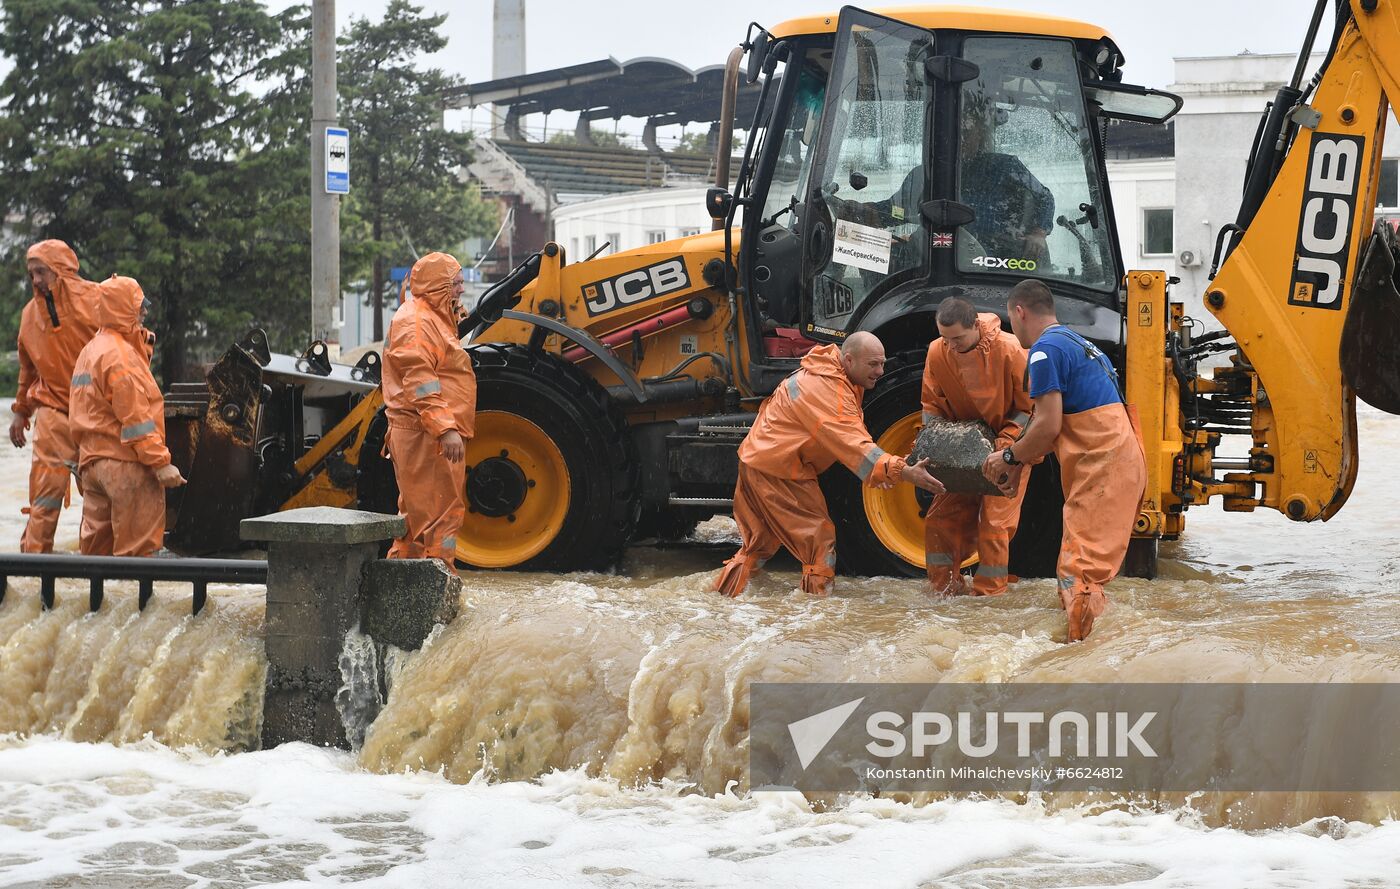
(169, 476)
(18, 426)
(1005, 477)
(452, 446)
(917, 474)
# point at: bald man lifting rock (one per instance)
(811, 421)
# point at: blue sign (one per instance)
(337, 160)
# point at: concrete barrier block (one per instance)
(405, 598)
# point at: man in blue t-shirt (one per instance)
(1080, 416)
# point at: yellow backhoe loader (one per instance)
(895, 159)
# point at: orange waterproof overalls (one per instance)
(118, 418)
(47, 351)
(429, 389)
(986, 383)
(1103, 473)
(811, 421)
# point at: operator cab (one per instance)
(901, 161)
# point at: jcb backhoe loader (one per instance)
(895, 160)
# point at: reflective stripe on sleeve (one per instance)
(868, 464)
(1020, 418)
(82, 380)
(793, 389)
(429, 388)
(138, 430)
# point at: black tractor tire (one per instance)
(577, 415)
(668, 524)
(859, 552)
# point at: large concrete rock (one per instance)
(406, 598)
(956, 450)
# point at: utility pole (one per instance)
(325, 207)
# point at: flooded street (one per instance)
(592, 729)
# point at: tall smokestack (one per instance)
(507, 52)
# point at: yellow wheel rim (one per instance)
(536, 488)
(894, 513)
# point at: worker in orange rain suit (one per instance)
(430, 400)
(54, 326)
(1080, 415)
(974, 371)
(118, 421)
(811, 421)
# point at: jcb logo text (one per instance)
(635, 286)
(1324, 227)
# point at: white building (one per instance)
(631, 219)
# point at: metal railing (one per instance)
(49, 567)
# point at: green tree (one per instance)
(161, 139)
(408, 192)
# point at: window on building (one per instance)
(656, 237)
(614, 242)
(687, 232)
(1388, 192)
(590, 243)
(573, 250)
(1157, 232)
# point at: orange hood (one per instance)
(432, 281)
(989, 325)
(825, 361)
(119, 302)
(61, 259)
(57, 255)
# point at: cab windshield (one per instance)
(1026, 167)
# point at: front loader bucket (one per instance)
(238, 436)
(1372, 327)
(220, 461)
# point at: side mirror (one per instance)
(718, 202)
(758, 54)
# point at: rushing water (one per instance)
(591, 729)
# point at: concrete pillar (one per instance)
(317, 559)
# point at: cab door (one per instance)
(862, 230)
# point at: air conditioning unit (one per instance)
(1188, 259)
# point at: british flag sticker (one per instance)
(943, 239)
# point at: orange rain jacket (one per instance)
(428, 378)
(987, 383)
(429, 389)
(47, 352)
(813, 420)
(118, 412)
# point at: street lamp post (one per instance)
(325, 207)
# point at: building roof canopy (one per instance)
(644, 88)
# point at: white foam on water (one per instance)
(96, 815)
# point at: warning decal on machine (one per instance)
(861, 246)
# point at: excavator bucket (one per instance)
(216, 453)
(1372, 327)
(238, 435)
